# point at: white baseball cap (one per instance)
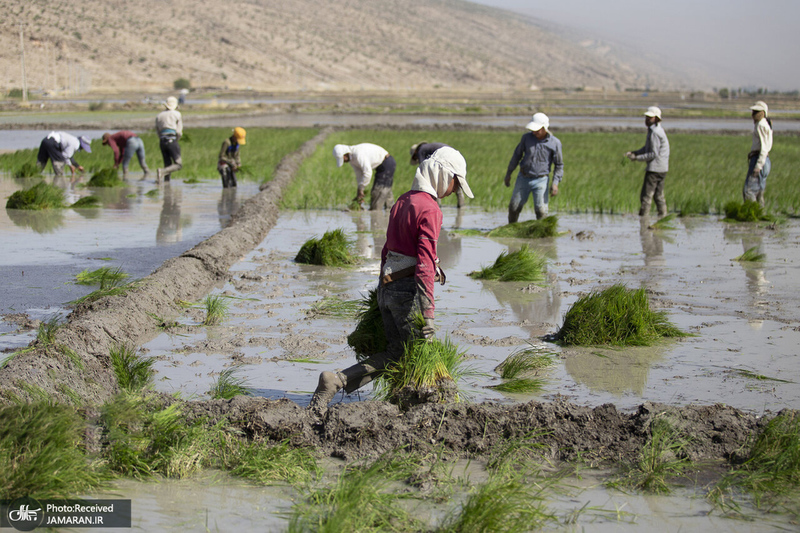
(539, 121)
(760, 106)
(653, 111)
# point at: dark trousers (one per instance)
(171, 152)
(653, 188)
(228, 176)
(384, 178)
(49, 149)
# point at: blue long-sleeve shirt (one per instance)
(535, 158)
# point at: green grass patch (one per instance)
(90, 201)
(529, 229)
(40, 196)
(106, 177)
(333, 249)
(134, 373)
(751, 255)
(369, 336)
(230, 384)
(216, 308)
(616, 316)
(100, 276)
(523, 265)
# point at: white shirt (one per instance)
(69, 143)
(364, 158)
(762, 143)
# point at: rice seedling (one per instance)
(133, 372)
(152, 193)
(192, 180)
(28, 170)
(662, 457)
(524, 361)
(360, 501)
(664, 223)
(216, 308)
(106, 177)
(40, 196)
(229, 385)
(335, 307)
(529, 229)
(521, 454)
(746, 212)
(369, 337)
(71, 355)
(46, 332)
(86, 202)
(520, 385)
(41, 453)
(615, 316)
(265, 464)
(333, 249)
(523, 265)
(752, 375)
(108, 287)
(751, 255)
(100, 276)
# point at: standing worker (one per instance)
(536, 153)
(124, 144)
(408, 270)
(169, 127)
(60, 148)
(759, 163)
(229, 161)
(364, 158)
(422, 151)
(656, 152)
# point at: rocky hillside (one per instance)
(301, 44)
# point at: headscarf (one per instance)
(435, 173)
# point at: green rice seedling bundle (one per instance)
(230, 384)
(266, 464)
(28, 170)
(134, 373)
(109, 286)
(152, 193)
(333, 249)
(42, 453)
(518, 371)
(86, 202)
(369, 336)
(40, 196)
(615, 316)
(751, 255)
(664, 223)
(523, 265)
(106, 177)
(335, 307)
(216, 308)
(46, 332)
(746, 212)
(529, 229)
(100, 275)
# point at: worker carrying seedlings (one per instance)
(422, 151)
(537, 152)
(758, 160)
(364, 158)
(229, 161)
(124, 144)
(60, 148)
(656, 152)
(408, 270)
(169, 127)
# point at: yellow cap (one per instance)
(239, 134)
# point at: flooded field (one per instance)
(744, 317)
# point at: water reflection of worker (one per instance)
(227, 206)
(422, 151)
(229, 160)
(169, 224)
(652, 243)
(60, 148)
(537, 313)
(757, 282)
(364, 158)
(408, 271)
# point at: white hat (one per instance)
(171, 103)
(760, 106)
(539, 121)
(452, 160)
(653, 111)
(339, 151)
(86, 144)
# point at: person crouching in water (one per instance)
(229, 160)
(408, 270)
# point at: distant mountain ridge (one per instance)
(304, 44)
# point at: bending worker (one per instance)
(229, 161)
(422, 151)
(537, 152)
(59, 148)
(124, 144)
(169, 127)
(656, 152)
(408, 271)
(364, 158)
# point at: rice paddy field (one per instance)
(265, 331)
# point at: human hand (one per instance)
(80, 168)
(554, 190)
(428, 330)
(507, 180)
(630, 155)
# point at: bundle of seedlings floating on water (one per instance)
(663, 223)
(28, 170)
(40, 196)
(520, 370)
(369, 337)
(751, 255)
(615, 316)
(106, 177)
(523, 265)
(333, 249)
(746, 212)
(86, 202)
(529, 229)
(335, 306)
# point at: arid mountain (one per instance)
(301, 44)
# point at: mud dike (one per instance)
(77, 366)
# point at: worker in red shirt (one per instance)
(408, 270)
(124, 144)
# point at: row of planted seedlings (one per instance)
(616, 316)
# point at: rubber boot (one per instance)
(329, 384)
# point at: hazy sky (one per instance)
(745, 43)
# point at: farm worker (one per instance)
(229, 161)
(537, 152)
(656, 152)
(409, 267)
(422, 151)
(169, 127)
(759, 163)
(124, 144)
(364, 158)
(60, 148)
